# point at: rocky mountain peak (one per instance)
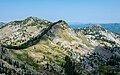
(62, 24)
(95, 28)
(31, 18)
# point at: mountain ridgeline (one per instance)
(114, 27)
(39, 47)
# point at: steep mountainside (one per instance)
(107, 48)
(18, 32)
(101, 35)
(39, 47)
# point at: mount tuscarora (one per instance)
(39, 47)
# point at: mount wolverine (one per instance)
(39, 47)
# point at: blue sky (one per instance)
(84, 11)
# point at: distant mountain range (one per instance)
(1, 24)
(114, 27)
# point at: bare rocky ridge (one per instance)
(40, 47)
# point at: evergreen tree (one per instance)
(69, 66)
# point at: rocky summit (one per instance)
(39, 47)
